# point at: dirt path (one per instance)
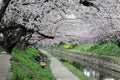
(4, 66)
(59, 71)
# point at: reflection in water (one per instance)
(95, 75)
(109, 79)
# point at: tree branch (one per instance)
(25, 29)
(16, 26)
(45, 36)
(4, 7)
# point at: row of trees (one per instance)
(13, 33)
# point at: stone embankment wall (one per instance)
(101, 63)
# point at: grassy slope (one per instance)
(25, 68)
(108, 49)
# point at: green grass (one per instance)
(108, 49)
(25, 68)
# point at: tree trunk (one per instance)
(3, 8)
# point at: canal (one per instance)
(95, 67)
(98, 73)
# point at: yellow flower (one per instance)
(67, 46)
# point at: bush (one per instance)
(67, 46)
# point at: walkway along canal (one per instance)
(59, 71)
(96, 67)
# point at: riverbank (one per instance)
(26, 65)
(107, 49)
(104, 64)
